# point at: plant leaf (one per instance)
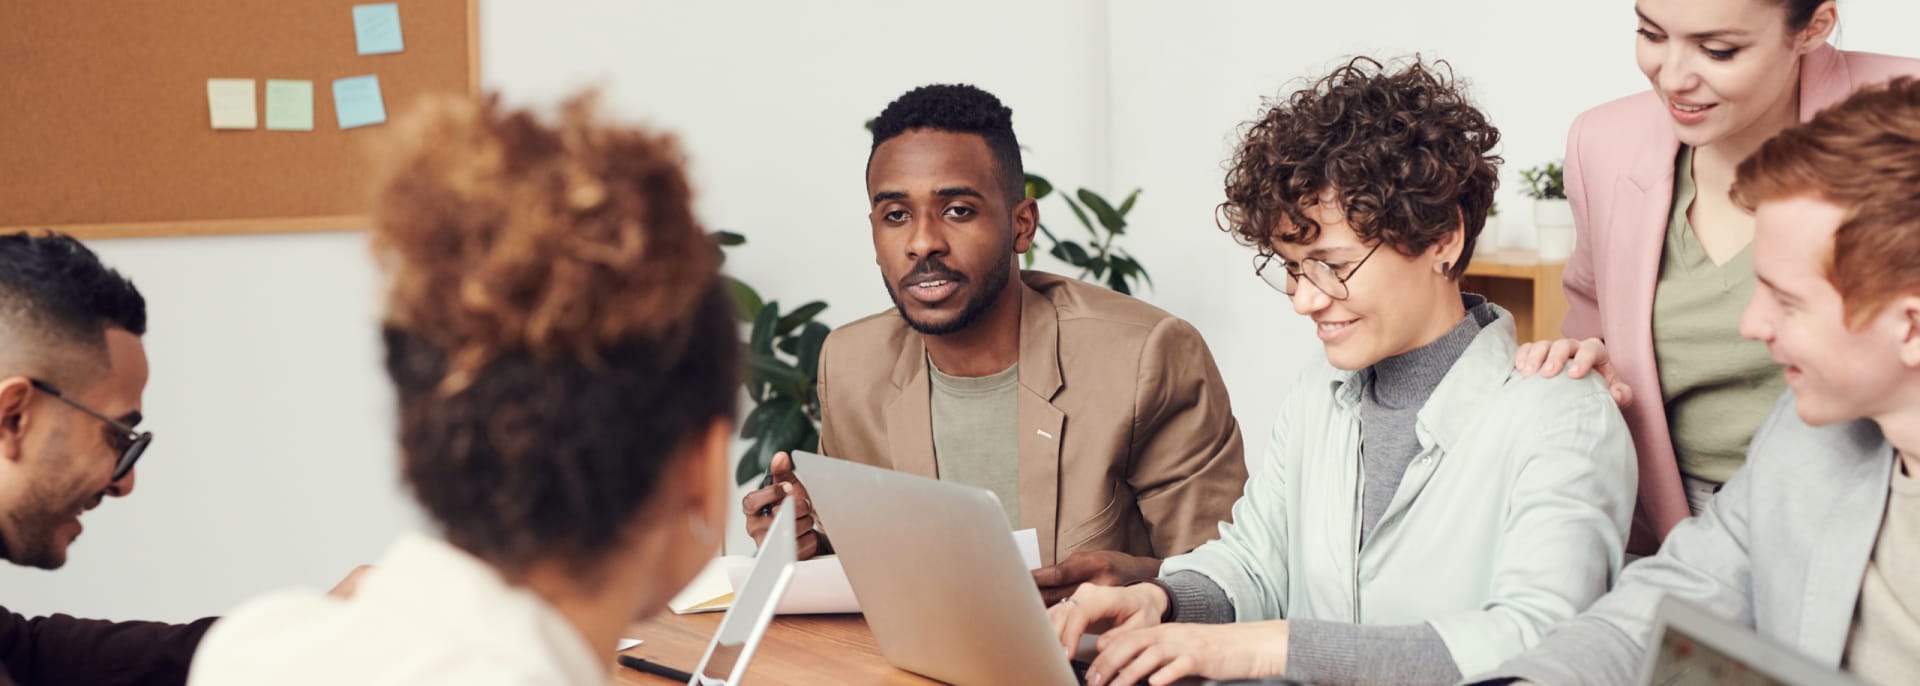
(1038, 187)
(749, 466)
(763, 413)
(746, 302)
(1082, 215)
(784, 434)
(728, 239)
(1071, 252)
(1026, 258)
(809, 441)
(784, 378)
(760, 340)
(1134, 267)
(1118, 282)
(808, 356)
(793, 320)
(1108, 217)
(1098, 266)
(1127, 205)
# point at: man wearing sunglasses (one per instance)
(72, 370)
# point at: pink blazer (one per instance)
(1620, 181)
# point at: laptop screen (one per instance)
(752, 609)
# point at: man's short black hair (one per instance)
(53, 285)
(958, 108)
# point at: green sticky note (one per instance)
(289, 105)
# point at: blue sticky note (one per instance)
(357, 102)
(376, 28)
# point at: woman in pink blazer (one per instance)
(1727, 75)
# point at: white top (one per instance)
(429, 613)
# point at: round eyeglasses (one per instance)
(129, 442)
(1326, 276)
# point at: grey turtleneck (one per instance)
(1397, 387)
(1324, 651)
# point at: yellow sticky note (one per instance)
(289, 105)
(230, 101)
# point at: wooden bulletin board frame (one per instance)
(104, 122)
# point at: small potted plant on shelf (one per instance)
(1552, 216)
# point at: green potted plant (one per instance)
(1552, 215)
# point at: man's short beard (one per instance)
(37, 517)
(990, 289)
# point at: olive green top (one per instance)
(1717, 386)
(976, 440)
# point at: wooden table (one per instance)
(797, 649)
(1525, 285)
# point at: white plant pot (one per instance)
(1553, 225)
(1489, 240)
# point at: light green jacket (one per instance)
(1512, 518)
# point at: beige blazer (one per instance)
(1127, 441)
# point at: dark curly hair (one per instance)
(1407, 154)
(60, 300)
(556, 327)
(958, 108)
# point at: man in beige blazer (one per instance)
(1100, 420)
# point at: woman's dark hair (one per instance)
(1799, 12)
(556, 327)
(1407, 154)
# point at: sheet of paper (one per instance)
(820, 586)
(289, 105)
(356, 102)
(376, 29)
(626, 643)
(1028, 541)
(708, 592)
(231, 103)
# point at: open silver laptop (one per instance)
(1692, 646)
(937, 574)
(746, 620)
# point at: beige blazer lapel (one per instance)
(1040, 424)
(910, 413)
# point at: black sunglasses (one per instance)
(132, 442)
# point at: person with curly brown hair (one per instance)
(566, 363)
(1425, 511)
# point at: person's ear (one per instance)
(1905, 312)
(15, 394)
(1826, 18)
(1026, 221)
(1446, 251)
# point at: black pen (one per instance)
(631, 662)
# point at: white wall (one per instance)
(274, 463)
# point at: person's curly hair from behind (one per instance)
(555, 326)
(1402, 150)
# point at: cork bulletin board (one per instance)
(105, 117)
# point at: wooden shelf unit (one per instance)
(1525, 285)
